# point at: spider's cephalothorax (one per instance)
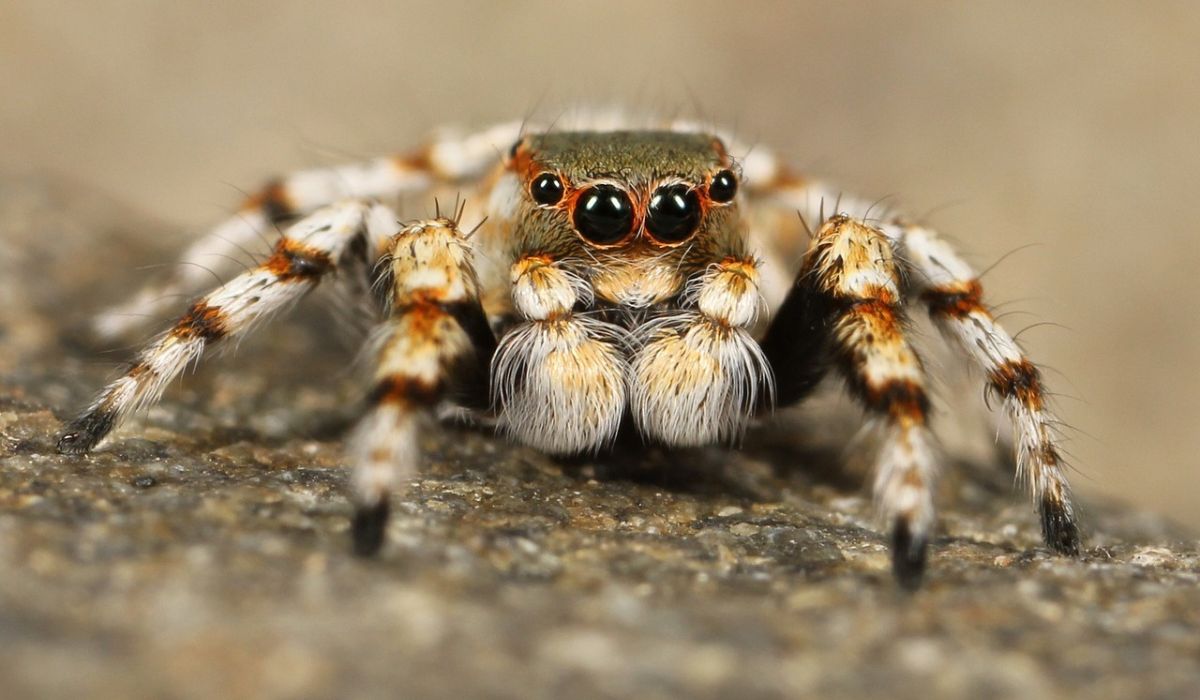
(633, 288)
(620, 279)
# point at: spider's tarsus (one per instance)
(85, 432)
(909, 554)
(1059, 528)
(368, 526)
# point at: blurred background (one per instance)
(1070, 126)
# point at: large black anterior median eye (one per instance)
(603, 214)
(674, 213)
(546, 189)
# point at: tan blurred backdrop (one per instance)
(1068, 125)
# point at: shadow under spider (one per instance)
(716, 470)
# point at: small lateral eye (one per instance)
(546, 189)
(603, 214)
(723, 187)
(674, 213)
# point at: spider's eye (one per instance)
(546, 189)
(723, 187)
(603, 214)
(674, 213)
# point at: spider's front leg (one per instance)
(308, 251)
(847, 302)
(954, 297)
(435, 345)
(951, 292)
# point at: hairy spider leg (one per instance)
(449, 158)
(309, 250)
(435, 346)
(951, 291)
(847, 303)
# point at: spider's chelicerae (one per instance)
(617, 283)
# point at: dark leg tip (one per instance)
(909, 555)
(73, 442)
(85, 432)
(1059, 529)
(368, 527)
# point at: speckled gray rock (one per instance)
(203, 552)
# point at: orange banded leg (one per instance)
(310, 249)
(846, 308)
(451, 158)
(952, 292)
(435, 346)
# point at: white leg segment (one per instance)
(451, 157)
(952, 292)
(308, 251)
(435, 341)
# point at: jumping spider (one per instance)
(618, 285)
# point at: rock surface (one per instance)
(203, 552)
